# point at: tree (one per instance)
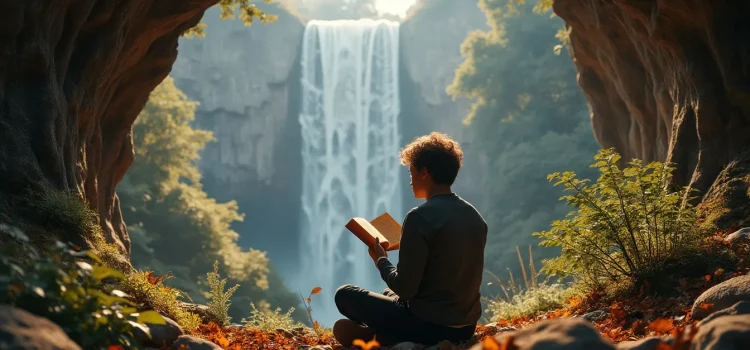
(528, 119)
(175, 226)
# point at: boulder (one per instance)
(22, 330)
(721, 296)
(558, 334)
(723, 333)
(186, 342)
(161, 335)
(405, 346)
(594, 316)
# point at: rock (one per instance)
(558, 334)
(317, 347)
(161, 335)
(75, 90)
(609, 49)
(285, 333)
(594, 316)
(741, 308)
(186, 342)
(201, 311)
(739, 236)
(722, 295)
(22, 330)
(723, 333)
(404, 346)
(651, 343)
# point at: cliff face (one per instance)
(247, 81)
(427, 67)
(668, 80)
(75, 74)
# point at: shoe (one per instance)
(347, 331)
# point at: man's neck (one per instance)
(439, 189)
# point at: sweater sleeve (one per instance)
(404, 279)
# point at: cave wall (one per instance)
(73, 77)
(666, 80)
(246, 80)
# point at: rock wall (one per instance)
(428, 66)
(73, 77)
(666, 80)
(247, 82)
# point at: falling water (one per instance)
(350, 144)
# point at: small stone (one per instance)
(741, 308)
(285, 333)
(202, 311)
(161, 335)
(189, 342)
(594, 316)
(404, 346)
(721, 296)
(739, 236)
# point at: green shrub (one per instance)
(266, 320)
(628, 226)
(220, 300)
(61, 285)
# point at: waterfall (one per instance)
(350, 145)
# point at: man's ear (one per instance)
(424, 173)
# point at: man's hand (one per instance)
(377, 251)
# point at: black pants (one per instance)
(391, 319)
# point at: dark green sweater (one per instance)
(440, 261)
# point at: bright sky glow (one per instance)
(397, 7)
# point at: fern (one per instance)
(219, 302)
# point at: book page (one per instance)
(388, 227)
(365, 231)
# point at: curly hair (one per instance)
(436, 152)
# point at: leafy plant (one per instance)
(71, 289)
(246, 10)
(628, 224)
(266, 320)
(220, 300)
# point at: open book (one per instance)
(383, 227)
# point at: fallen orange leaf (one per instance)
(366, 346)
(490, 343)
(661, 325)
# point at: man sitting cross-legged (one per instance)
(433, 293)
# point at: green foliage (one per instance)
(246, 10)
(59, 284)
(544, 297)
(174, 226)
(267, 320)
(527, 300)
(528, 119)
(628, 224)
(65, 211)
(159, 297)
(218, 306)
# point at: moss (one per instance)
(726, 205)
(153, 294)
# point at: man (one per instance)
(433, 293)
